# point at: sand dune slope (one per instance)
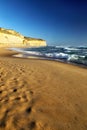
(41, 95)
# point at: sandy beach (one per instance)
(41, 95)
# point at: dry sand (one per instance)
(41, 95)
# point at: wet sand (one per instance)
(41, 95)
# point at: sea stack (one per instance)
(11, 38)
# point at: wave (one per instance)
(72, 54)
(57, 55)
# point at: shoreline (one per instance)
(41, 94)
(31, 56)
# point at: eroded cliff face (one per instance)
(11, 38)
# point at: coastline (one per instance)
(41, 94)
(24, 55)
(43, 56)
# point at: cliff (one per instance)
(11, 38)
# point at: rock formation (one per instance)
(11, 38)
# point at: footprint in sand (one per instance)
(1, 84)
(22, 124)
(1, 78)
(28, 110)
(4, 98)
(22, 120)
(15, 90)
(3, 120)
(22, 97)
(1, 91)
(21, 70)
(32, 125)
(18, 98)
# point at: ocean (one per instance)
(70, 54)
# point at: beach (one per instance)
(41, 94)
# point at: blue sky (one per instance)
(60, 22)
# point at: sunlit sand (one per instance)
(41, 95)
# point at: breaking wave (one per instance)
(77, 55)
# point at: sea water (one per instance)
(70, 54)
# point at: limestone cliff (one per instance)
(11, 38)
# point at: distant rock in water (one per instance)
(11, 38)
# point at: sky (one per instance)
(59, 22)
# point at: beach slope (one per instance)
(41, 95)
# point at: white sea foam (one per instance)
(71, 49)
(57, 55)
(61, 55)
(75, 57)
(49, 55)
(33, 53)
(19, 55)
